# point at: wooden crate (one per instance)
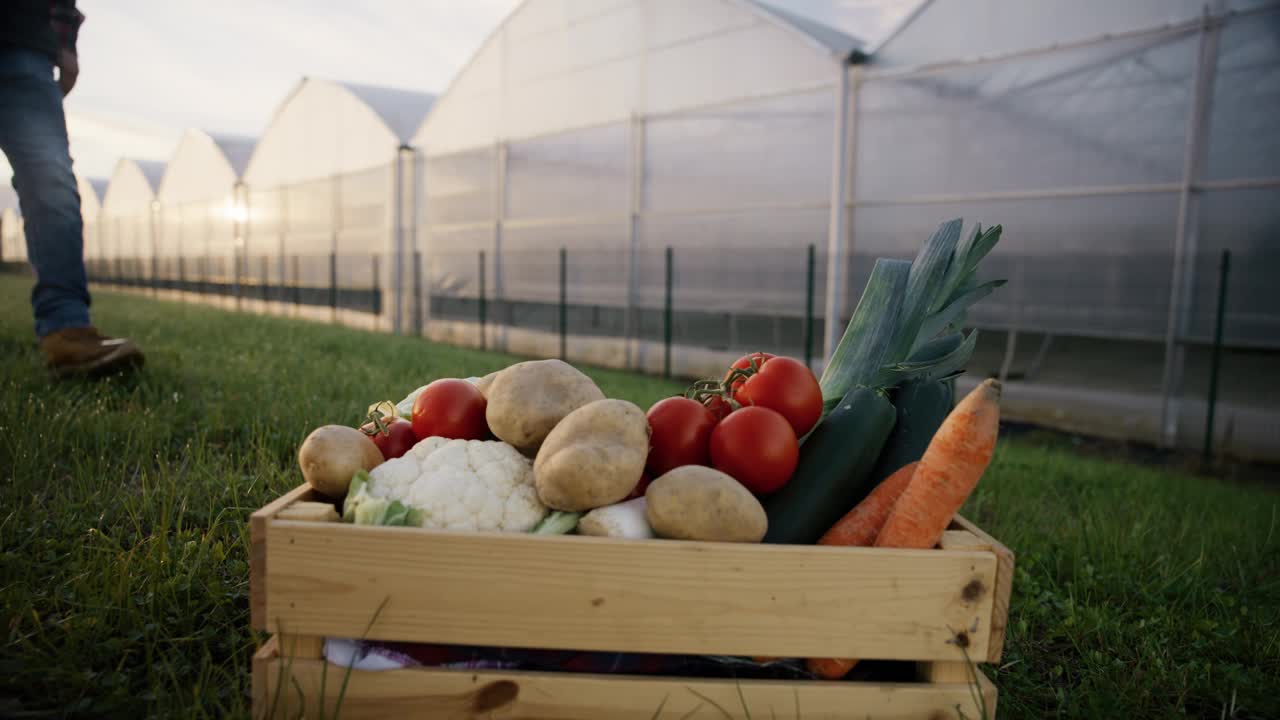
(311, 580)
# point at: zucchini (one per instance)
(922, 404)
(835, 469)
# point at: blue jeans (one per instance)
(33, 136)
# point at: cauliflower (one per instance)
(461, 485)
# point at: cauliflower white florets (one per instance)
(463, 485)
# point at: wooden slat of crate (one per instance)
(424, 693)
(628, 596)
(258, 551)
(1003, 587)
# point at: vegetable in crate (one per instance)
(699, 503)
(450, 408)
(903, 308)
(757, 447)
(528, 399)
(859, 529)
(781, 384)
(392, 435)
(593, 457)
(957, 457)
(680, 434)
(461, 485)
(922, 403)
(620, 520)
(332, 454)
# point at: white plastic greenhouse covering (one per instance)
(1122, 145)
(13, 243)
(126, 223)
(319, 197)
(193, 239)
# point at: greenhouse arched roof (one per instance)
(551, 66)
(204, 166)
(132, 187)
(325, 128)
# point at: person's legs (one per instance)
(33, 136)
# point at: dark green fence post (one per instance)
(564, 304)
(482, 308)
(666, 319)
(417, 293)
(808, 308)
(377, 288)
(1224, 268)
(333, 285)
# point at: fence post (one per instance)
(377, 288)
(482, 308)
(808, 308)
(564, 304)
(1224, 269)
(333, 285)
(666, 319)
(417, 293)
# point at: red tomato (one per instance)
(396, 441)
(757, 447)
(744, 362)
(787, 386)
(451, 409)
(680, 434)
(718, 406)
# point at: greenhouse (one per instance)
(661, 185)
(1121, 145)
(127, 223)
(13, 244)
(320, 200)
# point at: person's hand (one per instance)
(68, 70)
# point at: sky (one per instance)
(151, 68)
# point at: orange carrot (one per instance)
(955, 460)
(858, 528)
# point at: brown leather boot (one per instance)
(85, 351)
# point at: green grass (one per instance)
(124, 503)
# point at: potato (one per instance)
(332, 454)
(594, 457)
(526, 400)
(700, 503)
(483, 383)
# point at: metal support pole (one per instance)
(1183, 272)
(266, 280)
(808, 306)
(636, 173)
(564, 304)
(482, 301)
(666, 318)
(1224, 269)
(838, 224)
(297, 282)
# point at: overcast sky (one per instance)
(151, 68)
